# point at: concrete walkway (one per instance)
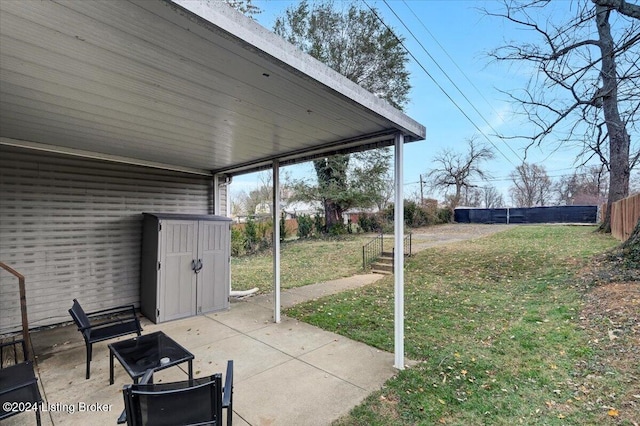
(289, 373)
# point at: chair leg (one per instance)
(38, 420)
(89, 351)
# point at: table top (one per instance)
(155, 351)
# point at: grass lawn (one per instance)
(496, 323)
(302, 262)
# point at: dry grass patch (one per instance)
(611, 317)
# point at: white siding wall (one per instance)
(73, 228)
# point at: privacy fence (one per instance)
(624, 216)
(555, 214)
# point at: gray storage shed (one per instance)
(185, 265)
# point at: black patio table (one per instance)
(155, 351)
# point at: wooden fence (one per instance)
(624, 216)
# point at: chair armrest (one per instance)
(228, 385)
(114, 310)
(108, 322)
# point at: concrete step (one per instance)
(382, 267)
(385, 260)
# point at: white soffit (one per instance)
(204, 89)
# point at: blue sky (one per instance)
(457, 35)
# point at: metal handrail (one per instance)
(372, 250)
(23, 309)
(406, 243)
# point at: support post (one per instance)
(276, 241)
(398, 260)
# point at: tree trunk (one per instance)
(333, 214)
(332, 181)
(633, 242)
(455, 202)
(619, 140)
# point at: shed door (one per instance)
(213, 279)
(177, 291)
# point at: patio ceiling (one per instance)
(204, 90)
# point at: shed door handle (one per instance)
(198, 266)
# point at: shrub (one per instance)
(369, 222)
(238, 242)
(305, 226)
(416, 215)
(337, 229)
(265, 234)
(318, 223)
(250, 235)
(445, 215)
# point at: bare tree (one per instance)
(458, 170)
(246, 203)
(583, 187)
(239, 203)
(472, 197)
(531, 186)
(587, 87)
(492, 198)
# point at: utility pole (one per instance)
(421, 194)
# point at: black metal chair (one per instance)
(18, 384)
(103, 325)
(190, 402)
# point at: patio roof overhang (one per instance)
(183, 85)
(187, 85)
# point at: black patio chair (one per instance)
(103, 325)
(190, 402)
(18, 384)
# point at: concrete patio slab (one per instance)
(290, 373)
(244, 317)
(293, 337)
(296, 393)
(250, 357)
(353, 362)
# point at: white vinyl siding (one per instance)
(73, 228)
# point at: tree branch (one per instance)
(621, 6)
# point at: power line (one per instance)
(508, 178)
(450, 57)
(451, 81)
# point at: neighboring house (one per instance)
(294, 209)
(352, 215)
(112, 109)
